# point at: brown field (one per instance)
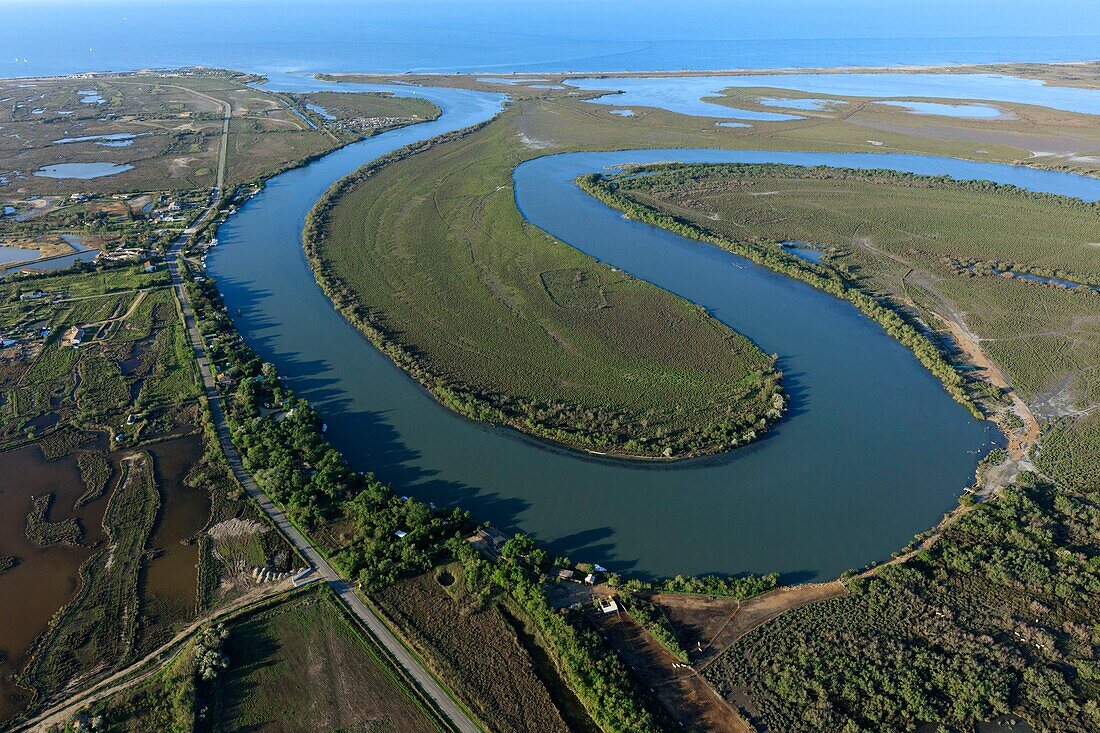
(475, 652)
(706, 627)
(685, 695)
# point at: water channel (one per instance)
(873, 451)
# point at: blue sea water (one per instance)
(480, 36)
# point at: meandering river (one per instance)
(872, 452)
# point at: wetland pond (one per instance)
(686, 94)
(82, 171)
(873, 451)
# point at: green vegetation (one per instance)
(164, 704)
(99, 627)
(41, 531)
(302, 665)
(95, 471)
(355, 518)
(1070, 450)
(997, 617)
(914, 245)
(591, 669)
(575, 353)
(131, 382)
(769, 254)
(471, 646)
(363, 114)
(654, 620)
(740, 587)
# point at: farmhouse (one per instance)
(74, 336)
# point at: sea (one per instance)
(45, 37)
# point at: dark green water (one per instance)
(873, 451)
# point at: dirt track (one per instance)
(144, 668)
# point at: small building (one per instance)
(148, 266)
(563, 574)
(492, 537)
(590, 579)
(608, 605)
(36, 295)
(74, 336)
(400, 533)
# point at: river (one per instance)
(872, 452)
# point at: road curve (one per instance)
(340, 586)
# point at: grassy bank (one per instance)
(505, 324)
(927, 249)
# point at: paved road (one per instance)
(343, 588)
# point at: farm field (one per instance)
(302, 665)
(474, 645)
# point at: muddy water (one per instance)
(171, 578)
(45, 578)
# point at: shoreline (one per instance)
(336, 76)
(736, 71)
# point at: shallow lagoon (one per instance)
(684, 94)
(968, 111)
(676, 94)
(112, 140)
(83, 171)
(17, 254)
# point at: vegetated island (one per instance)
(910, 252)
(503, 324)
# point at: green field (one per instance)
(503, 323)
(302, 666)
(475, 648)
